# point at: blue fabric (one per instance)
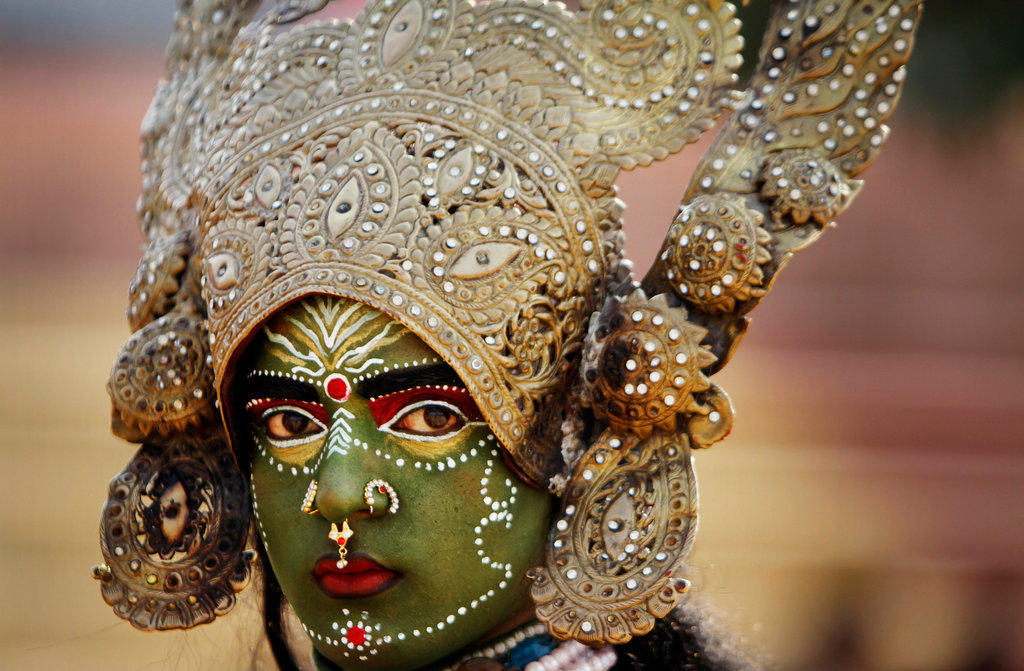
(529, 650)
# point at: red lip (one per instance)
(361, 577)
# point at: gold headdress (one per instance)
(453, 166)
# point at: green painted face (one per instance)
(442, 530)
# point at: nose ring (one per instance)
(307, 500)
(384, 487)
(341, 536)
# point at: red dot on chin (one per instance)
(356, 635)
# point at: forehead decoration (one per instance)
(452, 165)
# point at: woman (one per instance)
(391, 250)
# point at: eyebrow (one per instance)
(406, 378)
(270, 386)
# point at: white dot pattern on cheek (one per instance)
(361, 637)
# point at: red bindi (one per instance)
(337, 387)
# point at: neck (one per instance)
(495, 643)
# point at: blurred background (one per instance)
(867, 511)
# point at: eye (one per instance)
(484, 260)
(425, 413)
(289, 423)
(435, 419)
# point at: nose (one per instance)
(345, 490)
(339, 494)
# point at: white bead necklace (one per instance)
(567, 656)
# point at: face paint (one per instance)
(339, 393)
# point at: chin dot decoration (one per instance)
(355, 636)
(452, 165)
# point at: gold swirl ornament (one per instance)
(162, 382)
(802, 184)
(158, 279)
(643, 364)
(715, 252)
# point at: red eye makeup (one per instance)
(425, 412)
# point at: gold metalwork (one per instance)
(161, 383)
(384, 487)
(173, 534)
(643, 365)
(453, 166)
(830, 74)
(628, 518)
(715, 252)
(309, 498)
(450, 165)
(341, 536)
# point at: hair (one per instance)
(273, 620)
(691, 637)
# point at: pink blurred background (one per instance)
(865, 513)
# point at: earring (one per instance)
(615, 558)
(384, 487)
(173, 534)
(307, 500)
(341, 538)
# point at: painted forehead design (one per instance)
(335, 343)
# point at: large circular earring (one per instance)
(383, 487)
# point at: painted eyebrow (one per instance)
(270, 386)
(406, 378)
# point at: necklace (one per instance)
(531, 649)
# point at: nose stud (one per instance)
(307, 500)
(383, 487)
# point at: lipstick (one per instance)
(361, 577)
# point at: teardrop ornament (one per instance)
(401, 33)
(268, 186)
(345, 208)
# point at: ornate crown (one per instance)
(453, 166)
